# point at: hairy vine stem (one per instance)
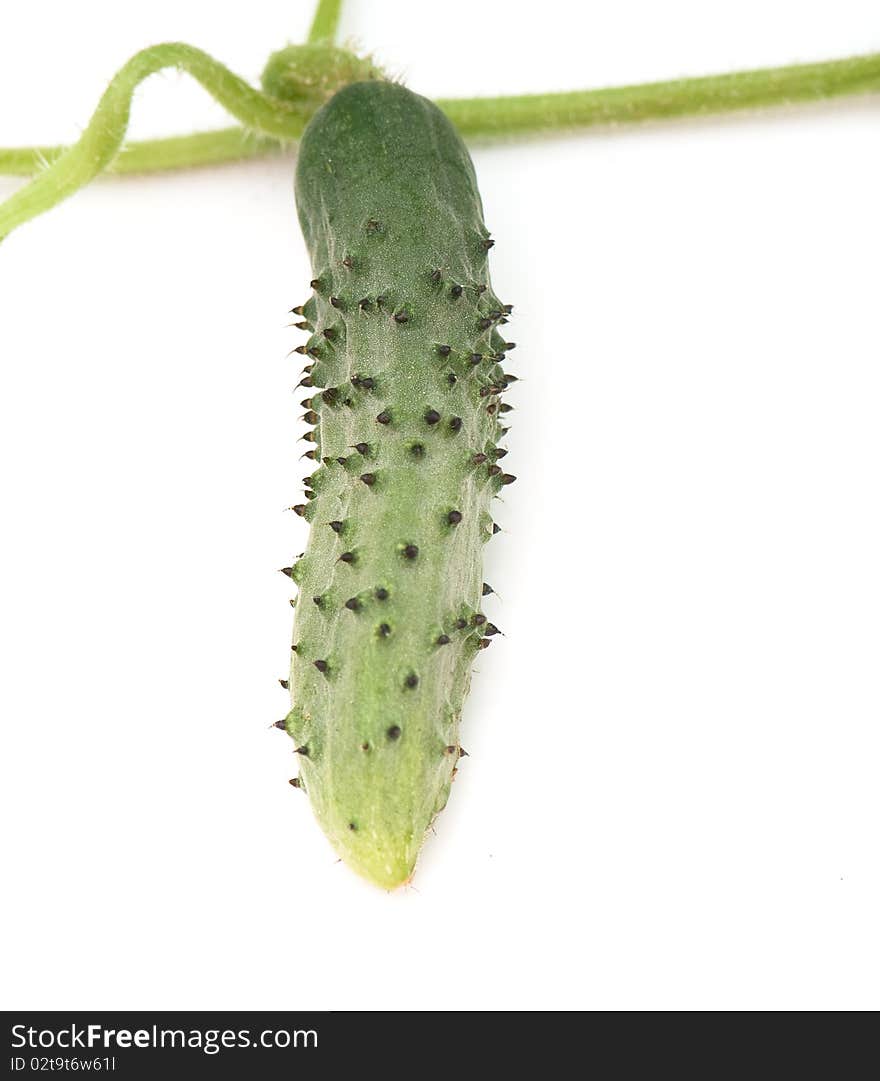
(102, 138)
(325, 22)
(531, 113)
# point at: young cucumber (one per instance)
(405, 361)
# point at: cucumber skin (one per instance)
(387, 198)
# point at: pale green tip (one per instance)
(387, 862)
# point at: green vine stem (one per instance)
(102, 138)
(178, 151)
(154, 155)
(301, 77)
(325, 22)
(296, 81)
(530, 113)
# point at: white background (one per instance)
(672, 798)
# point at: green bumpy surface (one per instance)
(405, 369)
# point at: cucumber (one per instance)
(405, 370)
